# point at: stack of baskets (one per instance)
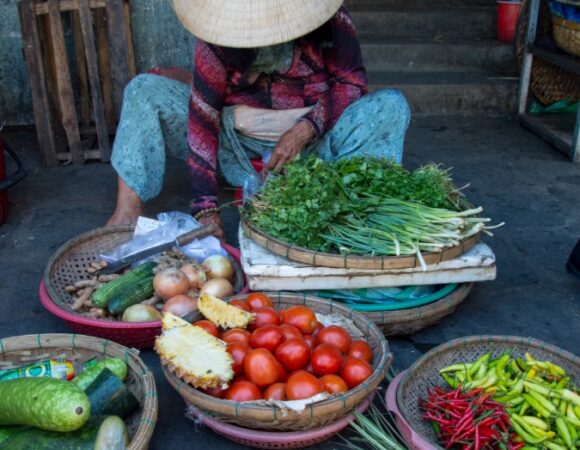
(23, 350)
(268, 426)
(409, 387)
(70, 263)
(566, 22)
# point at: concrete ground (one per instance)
(516, 177)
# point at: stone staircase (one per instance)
(441, 53)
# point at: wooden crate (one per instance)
(80, 56)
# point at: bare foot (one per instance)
(124, 217)
(129, 206)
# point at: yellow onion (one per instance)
(141, 313)
(218, 287)
(180, 305)
(196, 275)
(217, 266)
(170, 282)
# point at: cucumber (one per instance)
(103, 295)
(46, 403)
(132, 294)
(115, 365)
(8, 432)
(109, 396)
(112, 435)
(84, 438)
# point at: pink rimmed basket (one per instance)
(277, 439)
(70, 263)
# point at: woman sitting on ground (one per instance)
(284, 77)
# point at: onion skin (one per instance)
(217, 266)
(170, 282)
(180, 305)
(218, 287)
(141, 313)
(196, 275)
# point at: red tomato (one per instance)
(335, 335)
(355, 371)
(290, 332)
(257, 300)
(361, 350)
(236, 335)
(282, 374)
(243, 391)
(261, 367)
(301, 317)
(310, 340)
(317, 329)
(240, 304)
(264, 316)
(208, 326)
(215, 392)
(294, 354)
(267, 336)
(276, 391)
(333, 384)
(238, 351)
(302, 385)
(326, 359)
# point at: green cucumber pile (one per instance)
(365, 207)
(85, 413)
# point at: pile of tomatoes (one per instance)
(289, 355)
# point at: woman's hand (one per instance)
(290, 145)
(216, 220)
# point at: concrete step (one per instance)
(433, 93)
(355, 4)
(476, 22)
(437, 55)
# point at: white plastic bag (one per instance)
(167, 227)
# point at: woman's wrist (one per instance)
(206, 212)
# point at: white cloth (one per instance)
(266, 124)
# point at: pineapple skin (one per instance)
(194, 355)
(223, 314)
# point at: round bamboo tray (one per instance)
(315, 259)
(316, 415)
(70, 263)
(424, 373)
(27, 349)
(408, 321)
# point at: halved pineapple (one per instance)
(193, 354)
(223, 314)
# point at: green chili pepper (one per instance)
(547, 404)
(537, 405)
(473, 371)
(527, 436)
(564, 433)
(452, 382)
(552, 446)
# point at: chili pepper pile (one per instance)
(542, 403)
(469, 420)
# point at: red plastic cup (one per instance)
(508, 13)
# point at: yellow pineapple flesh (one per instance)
(193, 354)
(223, 314)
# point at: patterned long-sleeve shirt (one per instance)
(326, 73)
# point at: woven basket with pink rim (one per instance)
(70, 263)
(269, 417)
(424, 374)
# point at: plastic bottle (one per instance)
(62, 369)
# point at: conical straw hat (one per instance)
(253, 23)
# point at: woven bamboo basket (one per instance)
(548, 82)
(70, 263)
(316, 415)
(567, 35)
(424, 373)
(315, 259)
(21, 350)
(408, 321)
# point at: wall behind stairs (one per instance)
(158, 37)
